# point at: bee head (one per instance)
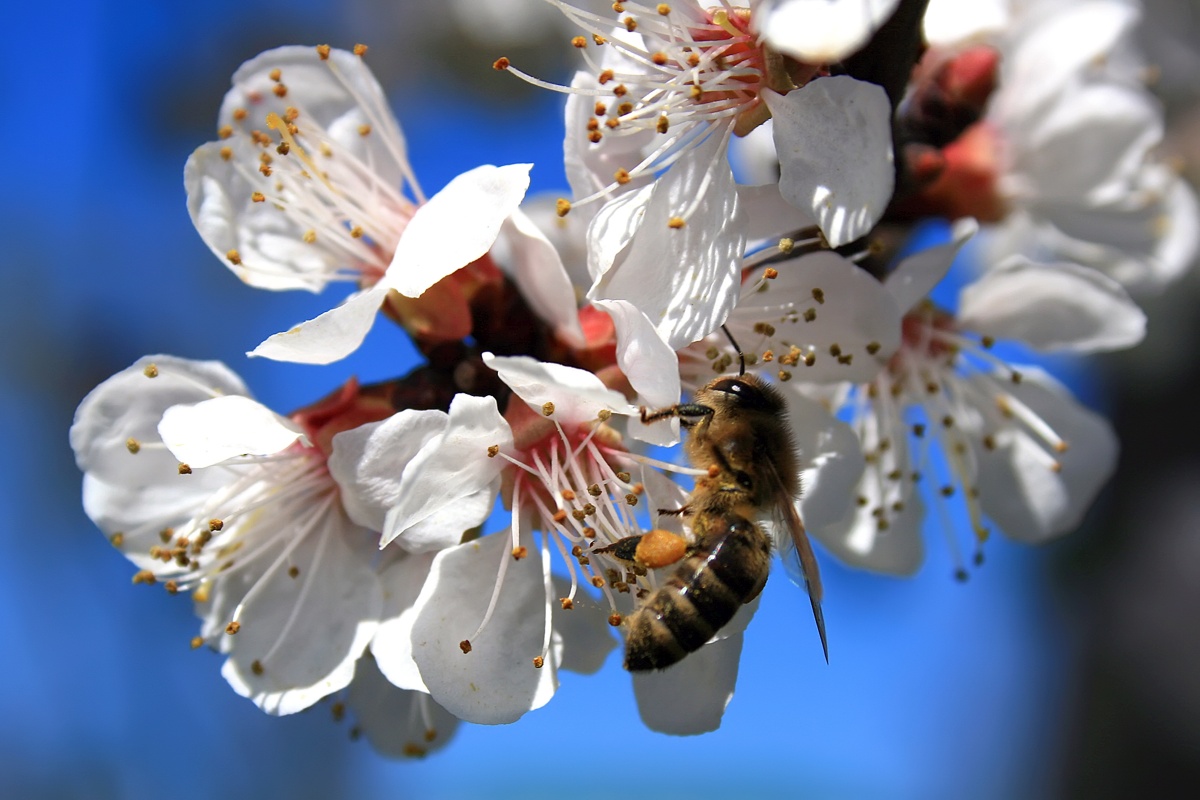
(748, 395)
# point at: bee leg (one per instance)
(688, 412)
(654, 549)
(682, 511)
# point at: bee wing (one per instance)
(797, 551)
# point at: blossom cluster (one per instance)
(435, 548)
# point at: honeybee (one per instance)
(739, 433)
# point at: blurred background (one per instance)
(1065, 671)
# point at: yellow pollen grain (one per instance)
(356, 232)
(310, 236)
(593, 124)
(465, 646)
(598, 582)
(624, 109)
(560, 516)
(239, 114)
(256, 667)
(620, 90)
(323, 51)
(770, 273)
(595, 136)
(538, 662)
(810, 314)
(493, 450)
(201, 594)
(547, 409)
(663, 9)
(501, 64)
(233, 627)
(290, 114)
(133, 445)
(622, 177)
(567, 603)
(338, 711)
(819, 296)
(676, 223)
(258, 197)
(184, 469)
(519, 552)
(225, 131)
(562, 207)
(360, 50)
(612, 122)
(567, 495)
(279, 90)
(364, 130)
(265, 170)
(226, 153)
(144, 576)
(117, 540)
(579, 42)
(196, 642)
(604, 77)
(275, 74)
(604, 415)
(600, 109)
(614, 619)
(631, 499)
(873, 347)
(695, 92)
(659, 58)
(282, 148)
(599, 40)
(693, 60)
(810, 359)
(663, 124)
(630, 24)
(618, 7)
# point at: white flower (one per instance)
(210, 493)
(397, 722)
(648, 128)
(1064, 160)
(820, 31)
(949, 414)
(307, 185)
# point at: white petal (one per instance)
(1052, 307)
(1018, 488)
(452, 465)
(834, 140)
(821, 31)
(538, 272)
(684, 279)
(272, 253)
(209, 432)
(457, 226)
(613, 228)
(305, 633)
(831, 460)
(857, 315)
(577, 395)
(586, 635)
(447, 526)
(768, 217)
(368, 461)
(591, 166)
(496, 682)
(401, 581)
(338, 102)
(397, 723)
(915, 276)
(651, 367)
(139, 512)
(690, 697)
(948, 23)
(859, 542)
(329, 337)
(129, 405)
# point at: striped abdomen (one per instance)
(726, 569)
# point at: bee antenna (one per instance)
(741, 357)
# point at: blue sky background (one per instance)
(935, 688)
